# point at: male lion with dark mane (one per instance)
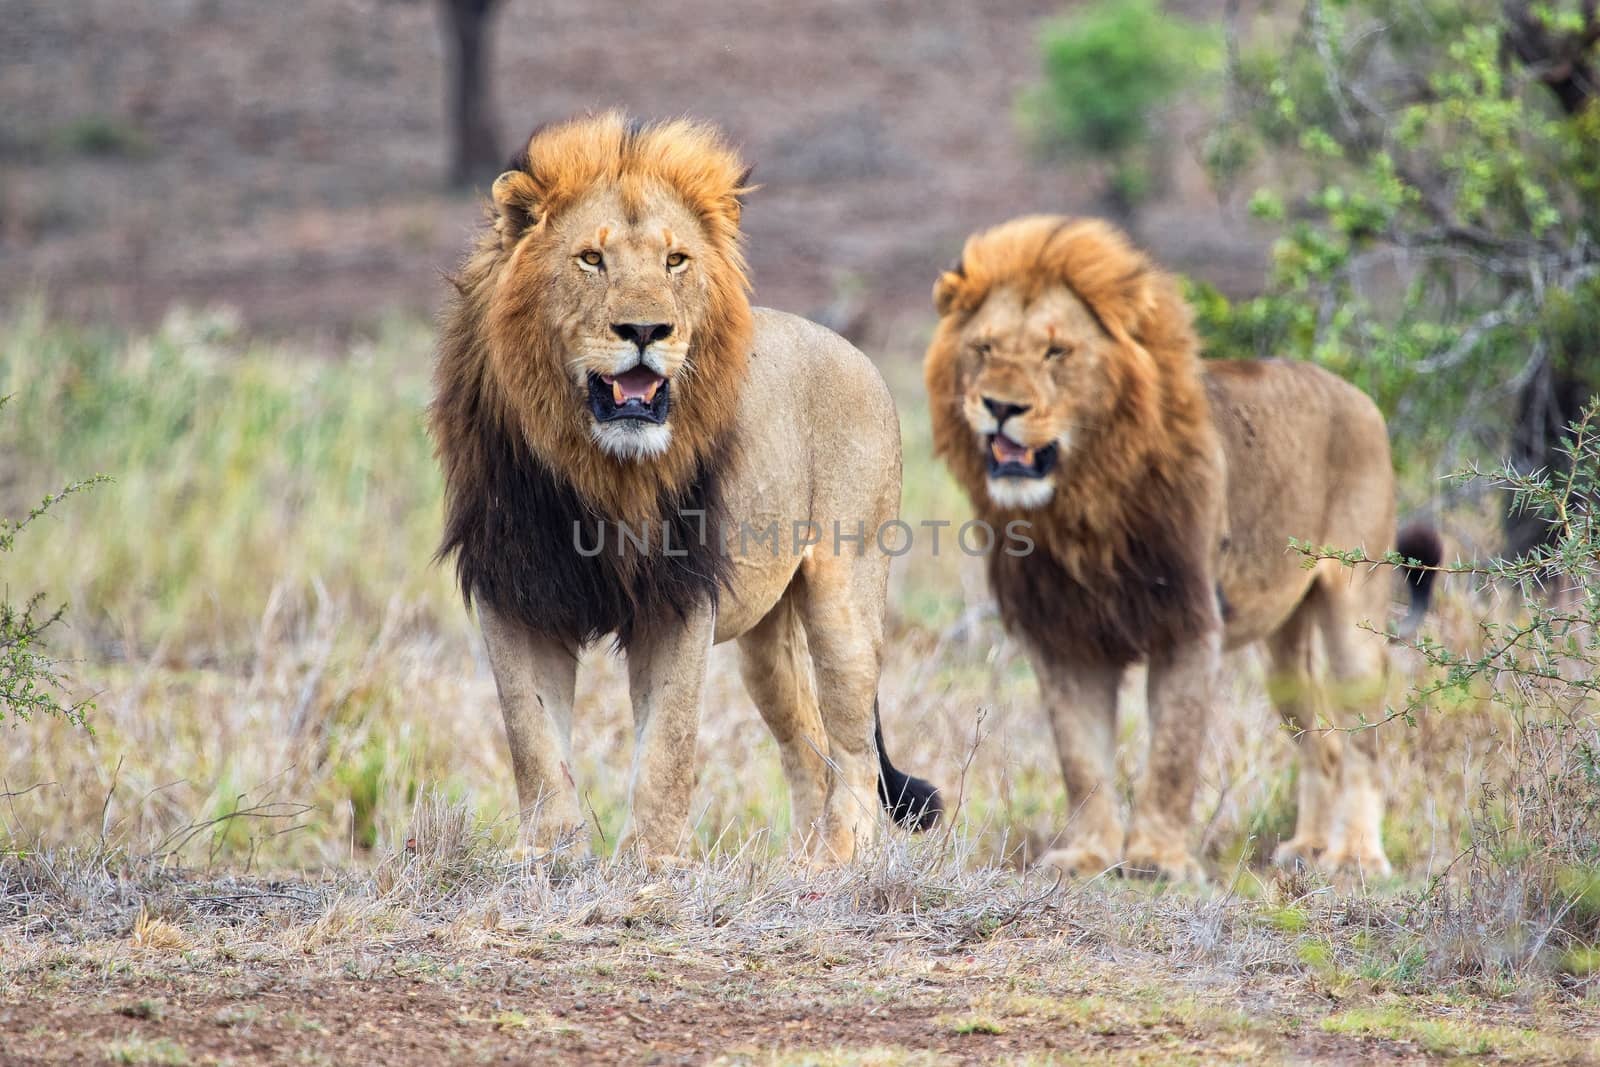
(614, 419)
(1067, 389)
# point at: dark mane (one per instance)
(1123, 560)
(511, 432)
(1156, 594)
(510, 524)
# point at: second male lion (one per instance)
(1067, 389)
(627, 448)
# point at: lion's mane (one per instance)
(512, 437)
(1120, 564)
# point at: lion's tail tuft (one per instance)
(1420, 542)
(913, 802)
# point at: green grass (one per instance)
(251, 595)
(1289, 919)
(137, 1050)
(839, 1057)
(976, 1024)
(1438, 1036)
(246, 482)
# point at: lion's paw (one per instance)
(835, 843)
(1084, 860)
(1299, 852)
(550, 841)
(632, 849)
(1169, 859)
(1365, 858)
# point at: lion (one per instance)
(620, 432)
(1067, 389)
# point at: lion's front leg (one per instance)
(1081, 702)
(1181, 688)
(666, 674)
(536, 676)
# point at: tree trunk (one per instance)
(1554, 396)
(474, 150)
(1560, 60)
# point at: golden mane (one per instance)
(1140, 481)
(561, 164)
(514, 440)
(498, 357)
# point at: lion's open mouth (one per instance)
(1007, 459)
(638, 394)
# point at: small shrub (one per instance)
(29, 680)
(102, 135)
(136, 1050)
(1529, 891)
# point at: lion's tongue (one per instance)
(640, 383)
(1008, 451)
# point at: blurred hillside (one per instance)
(289, 159)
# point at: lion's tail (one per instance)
(1419, 542)
(914, 802)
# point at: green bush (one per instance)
(101, 135)
(1110, 69)
(1436, 189)
(1531, 886)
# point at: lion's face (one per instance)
(609, 302)
(1031, 377)
(632, 287)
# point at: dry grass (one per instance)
(296, 755)
(921, 944)
(252, 603)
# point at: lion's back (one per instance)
(813, 396)
(816, 457)
(1284, 418)
(1307, 458)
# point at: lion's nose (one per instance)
(642, 333)
(1003, 410)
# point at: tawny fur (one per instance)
(1163, 532)
(600, 224)
(1143, 494)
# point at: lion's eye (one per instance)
(592, 258)
(1057, 351)
(981, 349)
(676, 260)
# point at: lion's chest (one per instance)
(1154, 596)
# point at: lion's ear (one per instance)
(1133, 345)
(516, 201)
(1137, 300)
(948, 287)
(743, 188)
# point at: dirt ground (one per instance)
(450, 955)
(394, 1002)
(288, 162)
(396, 1019)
